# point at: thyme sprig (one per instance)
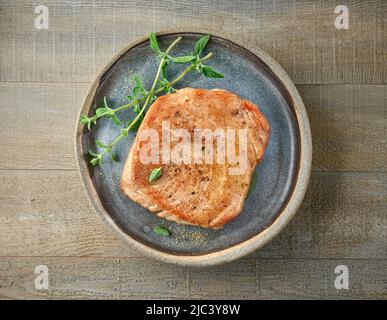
(140, 98)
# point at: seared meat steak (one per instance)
(207, 143)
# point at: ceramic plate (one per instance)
(282, 175)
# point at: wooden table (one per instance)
(45, 218)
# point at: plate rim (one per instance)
(241, 249)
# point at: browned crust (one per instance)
(134, 179)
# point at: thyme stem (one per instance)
(173, 82)
(148, 98)
(188, 69)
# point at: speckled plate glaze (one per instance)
(283, 173)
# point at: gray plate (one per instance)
(246, 75)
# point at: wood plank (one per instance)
(348, 125)
(343, 215)
(92, 278)
(142, 278)
(69, 278)
(45, 213)
(236, 280)
(314, 279)
(110, 278)
(39, 125)
(300, 35)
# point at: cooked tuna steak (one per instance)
(192, 189)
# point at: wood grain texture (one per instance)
(343, 216)
(348, 125)
(140, 278)
(45, 213)
(306, 279)
(300, 35)
(85, 278)
(45, 217)
(40, 123)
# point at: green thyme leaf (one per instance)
(161, 231)
(155, 174)
(86, 121)
(100, 111)
(253, 183)
(93, 154)
(138, 90)
(153, 42)
(137, 81)
(101, 144)
(95, 161)
(200, 44)
(105, 103)
(136, 109)
(210, 72)
(166, 86)
(116, 120)
(114, 157)
(183, 59)
(97, 158)
(164, 69)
